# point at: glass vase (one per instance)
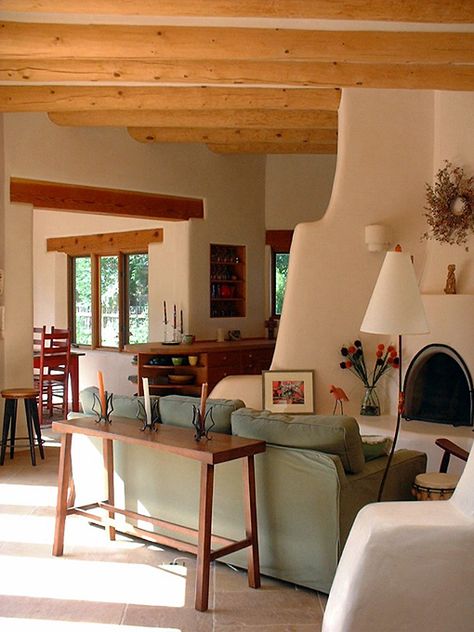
(370, 405)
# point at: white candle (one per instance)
(146, 395)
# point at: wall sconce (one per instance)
(377, 237)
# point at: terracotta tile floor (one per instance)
(99, 585)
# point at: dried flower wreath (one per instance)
(450, 202)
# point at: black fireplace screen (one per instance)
(438, 387)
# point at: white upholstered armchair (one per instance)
(408, 566)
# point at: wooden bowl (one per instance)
(181, 379)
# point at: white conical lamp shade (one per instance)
(395, 306)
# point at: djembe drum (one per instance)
(434, 486)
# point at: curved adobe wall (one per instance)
(385, 156)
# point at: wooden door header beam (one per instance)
(104, 243)
(114, 202)
(454, 11)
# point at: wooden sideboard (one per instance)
(215, 360)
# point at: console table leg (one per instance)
(204, 537)
(63, 489)
(250, 509)
(108, 452)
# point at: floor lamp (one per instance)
(395, 308)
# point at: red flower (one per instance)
(393, 353)
(348, 364)
(352, 349)
(391, 348)
(380, 347)
(379, 354)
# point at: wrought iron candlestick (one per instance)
(199, 422)
(155, 414)
(98, 407)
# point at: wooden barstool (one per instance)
(29, 396)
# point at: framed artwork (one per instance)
(288, 391)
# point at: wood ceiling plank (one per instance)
(231, 135)
(254, 119)
(82, 98)
(272, 148)
(126, 241)
(31, 41)
(116, 202)
(367, 75)
(397, 10)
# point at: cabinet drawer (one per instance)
(223, 358)
(216, 374)
(256, 360)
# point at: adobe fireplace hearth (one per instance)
(438, 387)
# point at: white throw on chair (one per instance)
(408, 566)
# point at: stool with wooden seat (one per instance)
(11, 397)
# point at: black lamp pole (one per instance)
(401, 402)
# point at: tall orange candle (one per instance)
(203, 401)
(103, 403)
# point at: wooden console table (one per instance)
(209, 452)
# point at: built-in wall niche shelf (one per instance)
(227, 281)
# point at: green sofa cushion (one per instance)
(124, 405)
(330, 434)
(177, 410)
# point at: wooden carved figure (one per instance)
(450, 287)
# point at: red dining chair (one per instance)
(52, 376)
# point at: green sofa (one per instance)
(311, 482)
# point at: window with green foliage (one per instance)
(280, 274)
(82, 298)
(109, 299)
(136, 312)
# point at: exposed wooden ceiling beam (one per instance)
(254, 119)
(117, 202)
(397, 10)
(81, 98)
(231, 135)
(366, 75)
(272, 148)
(68, 41)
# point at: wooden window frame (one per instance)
(96, 297)
(121, 244)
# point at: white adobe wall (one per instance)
(384, 158)
(297, 189)
(233, 189)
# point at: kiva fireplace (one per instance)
(438, 387)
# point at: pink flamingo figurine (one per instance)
(339, 396)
